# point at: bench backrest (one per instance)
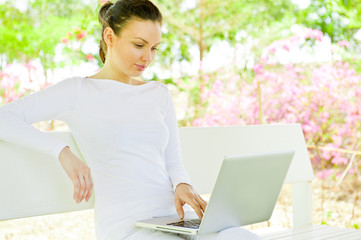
(203, 149)
(33, 183)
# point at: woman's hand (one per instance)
(185, 193)
(79, 173)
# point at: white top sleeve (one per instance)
(52, 103)
(173, 158)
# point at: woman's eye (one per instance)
(138, 45)
(154, 49)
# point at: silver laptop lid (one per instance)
(246, 190)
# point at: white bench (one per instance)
(40, 186)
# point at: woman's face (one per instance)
(131, 53)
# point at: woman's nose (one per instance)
(147, 56)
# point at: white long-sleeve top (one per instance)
(128, 135)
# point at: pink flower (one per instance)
(286, 47)
(197, 122)
(343, 43)
(326, 155)
(102, 2)
(337, 141)
(294, 38)
(90, 57)
(311, 127)
(314, 33)
(264, 59)
(338, 160)
(7, 83)
(324, 117)
(258, 68)
(272, 49)
(70, 34)
(81, 35)
(324, 174)
(289, 66)
(65, 40)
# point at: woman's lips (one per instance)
(140, 67)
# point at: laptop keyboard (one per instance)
(193, 223)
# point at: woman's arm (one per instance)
(173, 158)
(184, 192)
(54, 102)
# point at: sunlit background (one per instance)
(226, 63)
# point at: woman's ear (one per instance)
(109, 36)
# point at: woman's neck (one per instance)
(106, 73)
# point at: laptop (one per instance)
(246, 191)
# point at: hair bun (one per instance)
(103, 10)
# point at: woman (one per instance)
(126, 130)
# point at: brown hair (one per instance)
(117, 15)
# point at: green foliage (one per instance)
(36, 32)
(12, 24)
(339, 19)
(213, 20)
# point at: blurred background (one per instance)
(227, 63)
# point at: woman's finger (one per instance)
(81, 188)
(201, 202)
(86, 188)
(90, 190)
(76, 188)
(179, 207)
(196, 207)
